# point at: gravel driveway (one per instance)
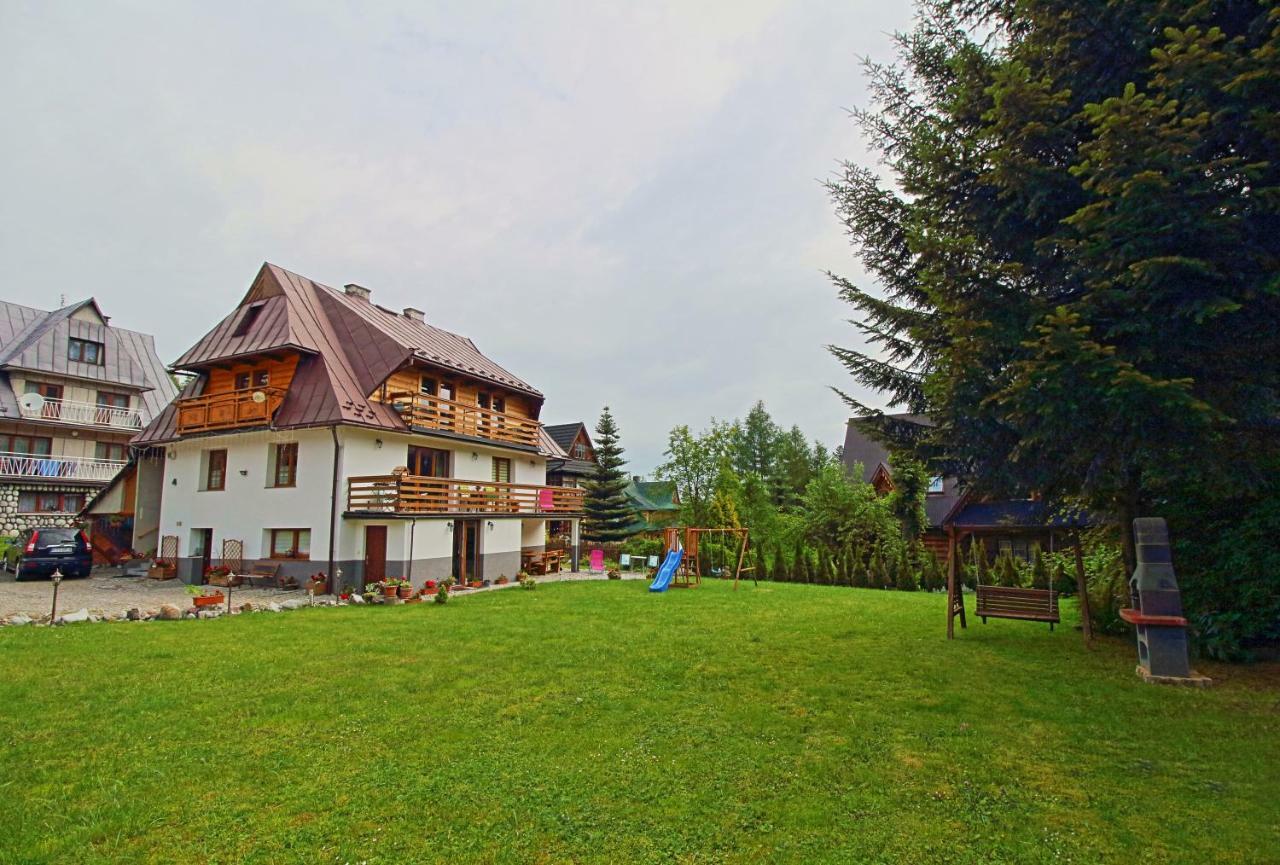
(104, 592)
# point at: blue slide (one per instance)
(667, 571)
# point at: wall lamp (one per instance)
(377, 443)
(449, 525)
(490, 525)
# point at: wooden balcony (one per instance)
(229, 410)
(60, 468)
(84, 414)
(414, 494)
(443, 415)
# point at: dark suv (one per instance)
(40, 552)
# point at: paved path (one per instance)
(105, 592)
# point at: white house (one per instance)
(326, 433)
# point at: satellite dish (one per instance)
(31, 403)
(258, 396)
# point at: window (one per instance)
(579, 451)
(428, 462)
(290, 543)
(110, 451)
(247, 319)
(1017, 547)
(40, 446)
(936, 485)
(52, 394)
(427, 386)
(50, 503)
(261, 378)
(85, 351)
(242, 381)
(284, 471)
(502, 470)
(215, 475)
(107, 399)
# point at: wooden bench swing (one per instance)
(1004, 602)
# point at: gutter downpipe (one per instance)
(333, 509)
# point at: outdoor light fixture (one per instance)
(449, 525)
(377, 443)
(490, 525)
(244, 473)
(57, 581)
(475, 456)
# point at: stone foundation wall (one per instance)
(13, 523)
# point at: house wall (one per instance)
(247, 509)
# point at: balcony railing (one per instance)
(237, 408)
(58, 468)
(414, 494)
(84, 413)
(433, 413)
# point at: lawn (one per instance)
(594, 722)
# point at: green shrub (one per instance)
(442, 593)
(907, 581)
(1007, 570)
(1039, 571)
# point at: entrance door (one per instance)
(466, 550)
(375, 554)
(204, 537)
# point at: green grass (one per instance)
(593, 722)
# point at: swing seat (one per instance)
(1033, 605)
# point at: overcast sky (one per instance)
(619, 202)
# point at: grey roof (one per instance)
(33, 340)
(565, 433)
(871, 455)
(582, 468)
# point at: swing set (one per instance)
(689, 573)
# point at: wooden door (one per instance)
(466, 550)
(375, 554)
(206, 551)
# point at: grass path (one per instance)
(593, 722)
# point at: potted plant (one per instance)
(202, 597)
(615, 574)
(370, 593)
(318, 584)
(404, 589)
(474, 584)
(442, 594)
(502, 580)
(218, 575)
(389, 587)
(429, 585)
(347, 591)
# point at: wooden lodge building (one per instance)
(73, 390)
(323, 432)
(1015, 525)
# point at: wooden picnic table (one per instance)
(545, 562)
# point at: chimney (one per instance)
(415, 314)
(357, 291)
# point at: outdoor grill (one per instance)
(1157, 607)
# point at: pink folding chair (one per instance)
(597, 561)
(546, 501)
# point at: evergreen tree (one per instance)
(1039, 571)
(981, 566)
(1062, 584)
(798, 563)
(608, 513)
(1109, 180)
(907, 579)
(858, 569)
(1006, 570)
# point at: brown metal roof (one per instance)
(349, 347)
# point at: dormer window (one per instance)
(936, 486)
(247, 320)
(85, 351)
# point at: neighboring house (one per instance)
(327, 433)
(656, 503)
(73, 391)
(579, 455)
(1016, 525)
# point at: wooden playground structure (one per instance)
(689, 574)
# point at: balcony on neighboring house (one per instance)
(229, 410)
(414, 494)
(58, 468)
(83, 414)
(433, 413)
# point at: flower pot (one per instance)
(208, 600)
(474, 584)
(317, 588)
(389, 591)
(405, 591)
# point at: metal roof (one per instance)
(34, 340)
(349, 346)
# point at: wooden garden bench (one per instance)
(1034, 605)
(269, 574)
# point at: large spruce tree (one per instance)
(1078, 249)
(608, 513)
